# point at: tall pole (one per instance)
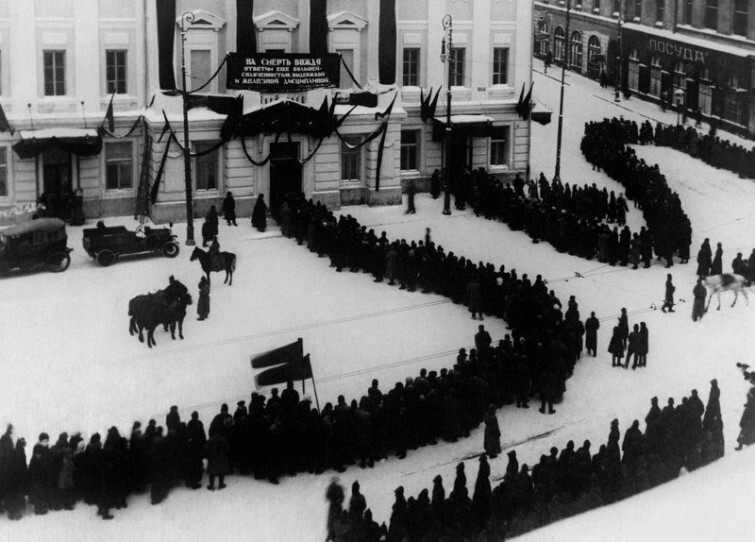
(448, 27)
(617, 95)
(557, 174)
(187, 18)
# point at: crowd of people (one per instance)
(717, 152)
(563, 483)
(586, 221)
(604, 145)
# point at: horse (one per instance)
(166, 307)
(723, 283)
(225, 261)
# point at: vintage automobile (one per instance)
(39, 243)
(106, 244)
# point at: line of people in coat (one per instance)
(709, 148)
(563, 483)
(604, 145)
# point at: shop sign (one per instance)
(283, 72)
(678, 50)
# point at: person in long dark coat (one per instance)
(623, 327)
(229, 209)
(644, 345)
(474, 292)
(259, 214)
(203, 304)
(698, 307)
(591, 334)
(41, 482)
(492, 433)
(616, 348)
(716, 267)
(335, 496)
(704, 258)
(747, 422)
(668, 300)
(210, 226)
(435, 184)
(216, 451)
(633, 347)
(16, 482)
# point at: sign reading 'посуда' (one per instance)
(282, 72)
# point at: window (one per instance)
(706, 99)
(115, 68)
(201, 69)
(593, 50)
(411, 67)
(3, 172)
(633, 74)
(596, 5)
(409, 149)
(638, 9)
(575, 51)
(119, 165)
(711, 14)
(655, 77)
(680, 75)
(457, 66)
(559, 39)
(617, 7)
(740, 17)
(351, 158)
(688, 11)
(660, 7)
(206, 166)
(499, 148)
(500, 65)
(347, 59)
(55, 73)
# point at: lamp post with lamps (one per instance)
(186, 19)
(617, 94)
(446, 53)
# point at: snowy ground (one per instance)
(69, 364)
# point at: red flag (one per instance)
(109, 115)
(284, 354)
(300, 369)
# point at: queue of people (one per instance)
(605, 146)
(563, 483)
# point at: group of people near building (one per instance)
(604, 145)
(714, 151)
(563, 483)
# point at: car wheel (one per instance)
(59, 261)
(171, 249)
(105, 257)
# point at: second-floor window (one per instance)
(115, 64)
(740, 17)
(500, 65)
(711, 14)
(458, 65)
(411, 67)
(638, 9)
(596, 5)
(55, 73)
(660, 7)
(687, 17)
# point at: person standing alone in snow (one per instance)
(668, 301)
(591, 334)
(698, 307)
(203, 304)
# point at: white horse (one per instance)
(723, 283)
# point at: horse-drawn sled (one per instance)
(106, 244)
(40, 243)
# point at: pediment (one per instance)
(275, 20)
(202, 20)
(346, 20)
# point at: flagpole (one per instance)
(565, 60)
(317, 401)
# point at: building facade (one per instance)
(695, 55)
(63, 63)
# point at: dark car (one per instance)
(40, 243)
(105, 244)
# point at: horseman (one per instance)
(174, 290)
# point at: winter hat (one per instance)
(241, 403)
(399, 490)
(355, 487)
(44, 437)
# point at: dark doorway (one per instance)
(285, 173)
(57, 184)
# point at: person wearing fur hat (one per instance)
(357, 504)
(216, 451)
(492, 443)
(41, 482)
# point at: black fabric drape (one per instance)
(387, 42)
(318, 27)
(246, 35)
(80, 146)
(166, 26)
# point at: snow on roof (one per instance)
(691, 40)
(466, 119)
(47, 133)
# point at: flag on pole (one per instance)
(277, 356)
(109, 115)
(4, 125)
(297, 369)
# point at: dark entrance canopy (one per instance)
(465, 125)
(285, 116)
(74, 140)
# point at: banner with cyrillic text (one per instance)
(283, 72)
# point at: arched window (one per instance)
(559, 40)
(633, 75)
(593, 49)
(575, 51)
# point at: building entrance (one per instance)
(56, 178)
(285, 173)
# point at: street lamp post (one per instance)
(557, 174)
(446, 52)
(187, 18)
(679, 95)
(617, 95)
